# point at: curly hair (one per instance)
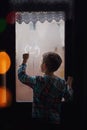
(52, 61)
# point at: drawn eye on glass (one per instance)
(32, 50)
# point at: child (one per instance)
(48, 89)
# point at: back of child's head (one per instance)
(52, 61)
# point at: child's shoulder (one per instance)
(46, 77)
(40, 78)
(58, 80)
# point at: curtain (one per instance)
(39, 16)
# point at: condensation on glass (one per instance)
(36, 33)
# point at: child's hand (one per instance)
(25, 57)
(69, 81)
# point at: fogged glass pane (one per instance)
(37, 39)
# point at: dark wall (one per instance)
(81, 69)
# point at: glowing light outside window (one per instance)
(36, 33)
(5, 94)
(5, 62)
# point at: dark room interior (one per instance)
(18, 114)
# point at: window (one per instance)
(36, 33)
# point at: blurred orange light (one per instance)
(5, 62)
(5, 97)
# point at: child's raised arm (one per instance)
(22, 76)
